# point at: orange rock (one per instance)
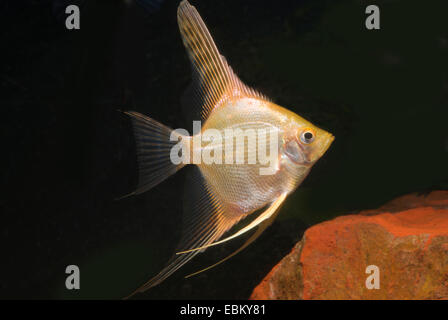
(407, 239)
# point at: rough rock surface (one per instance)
(407, 239)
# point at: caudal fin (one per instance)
(153, 152)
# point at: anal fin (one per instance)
(261, 227)
(266, 215)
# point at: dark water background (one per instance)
(68, 153)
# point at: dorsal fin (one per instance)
(214, 80)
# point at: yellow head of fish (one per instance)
(304, 143)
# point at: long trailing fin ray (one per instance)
(266, 215)
(153, 152)
(205, 220)
(214, 80)
(260, 229)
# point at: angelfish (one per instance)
(227, 192)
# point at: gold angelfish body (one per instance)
(242, 185)
(228, 189)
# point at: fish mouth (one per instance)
(328, 140)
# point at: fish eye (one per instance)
(307, 136)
